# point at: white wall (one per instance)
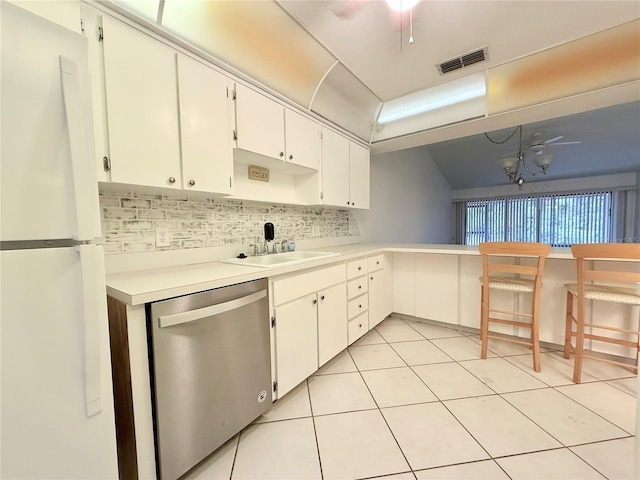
(410, 200)
(621, 180)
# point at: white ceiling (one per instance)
(365, 37)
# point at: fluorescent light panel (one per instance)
(447, 94)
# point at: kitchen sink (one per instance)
(279, 259)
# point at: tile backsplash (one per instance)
(129, 221)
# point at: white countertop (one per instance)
(136, 288)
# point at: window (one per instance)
(559, 220)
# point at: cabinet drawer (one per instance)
(287, 289)
(357, 287)
(358, 305)
(356, 268)
(358, 327)
(375, 262)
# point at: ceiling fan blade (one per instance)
(348, 9)
(564, 143)
(552, 140)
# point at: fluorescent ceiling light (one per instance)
(451, 93)
(402, 5)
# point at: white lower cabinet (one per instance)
(358, 299)
(380, 280)
(436, 287)
(332, 321)
(296, 342)
(310, 323)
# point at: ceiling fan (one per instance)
(400, 12)
(538, 145)
(514, 163)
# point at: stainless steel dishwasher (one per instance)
(211, 371)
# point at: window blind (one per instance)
(559, 220)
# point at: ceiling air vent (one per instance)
(463, 61)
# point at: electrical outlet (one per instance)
(162, 237)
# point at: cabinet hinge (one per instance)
(321, 195)
(235, 136)
(82, 25)
(233, 94)
(99, 33)
(275, 386)
(273, 321)
(229, 182)
(106, 164)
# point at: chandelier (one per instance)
(514, 167)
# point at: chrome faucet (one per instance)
(257, 250)
(283, 245)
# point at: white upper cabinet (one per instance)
(267, 128)
(359, 159)
(259, 123)
(302, 140)
(335, 169)
(345, 172)
(206, 114)
(142, 107)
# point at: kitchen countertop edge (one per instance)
(138, 288)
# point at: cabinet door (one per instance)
(436, 286)
(358, 176)
(142, 107)
(335, 169)
(296, 342)
(404, 283)
(205, 127)
(259, 123)
(377, 298)
(332, 322)
(302, 138)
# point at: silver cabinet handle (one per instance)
(359, 287)
(281, 154)
(200, 313)
(359, 268)
(315, 301)
(172, 180)
(371, 278)
(192, 182)
(322, 297)
(290, 157)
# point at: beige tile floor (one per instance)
(414, 401)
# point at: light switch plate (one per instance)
(162, 237)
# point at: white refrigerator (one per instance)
(56, 418)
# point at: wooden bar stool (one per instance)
(509, 277)
(604, 286)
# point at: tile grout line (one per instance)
(315, 431)
(381, 414)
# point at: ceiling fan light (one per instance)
(509, 163)
(543, 161)
(402, 5)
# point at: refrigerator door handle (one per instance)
(82, 179)
(94, 313)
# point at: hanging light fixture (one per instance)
(514, 166)
(402, 5)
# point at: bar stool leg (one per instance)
(484, 322)
(568, 325)
(577, 361)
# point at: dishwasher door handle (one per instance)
(200, 313)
